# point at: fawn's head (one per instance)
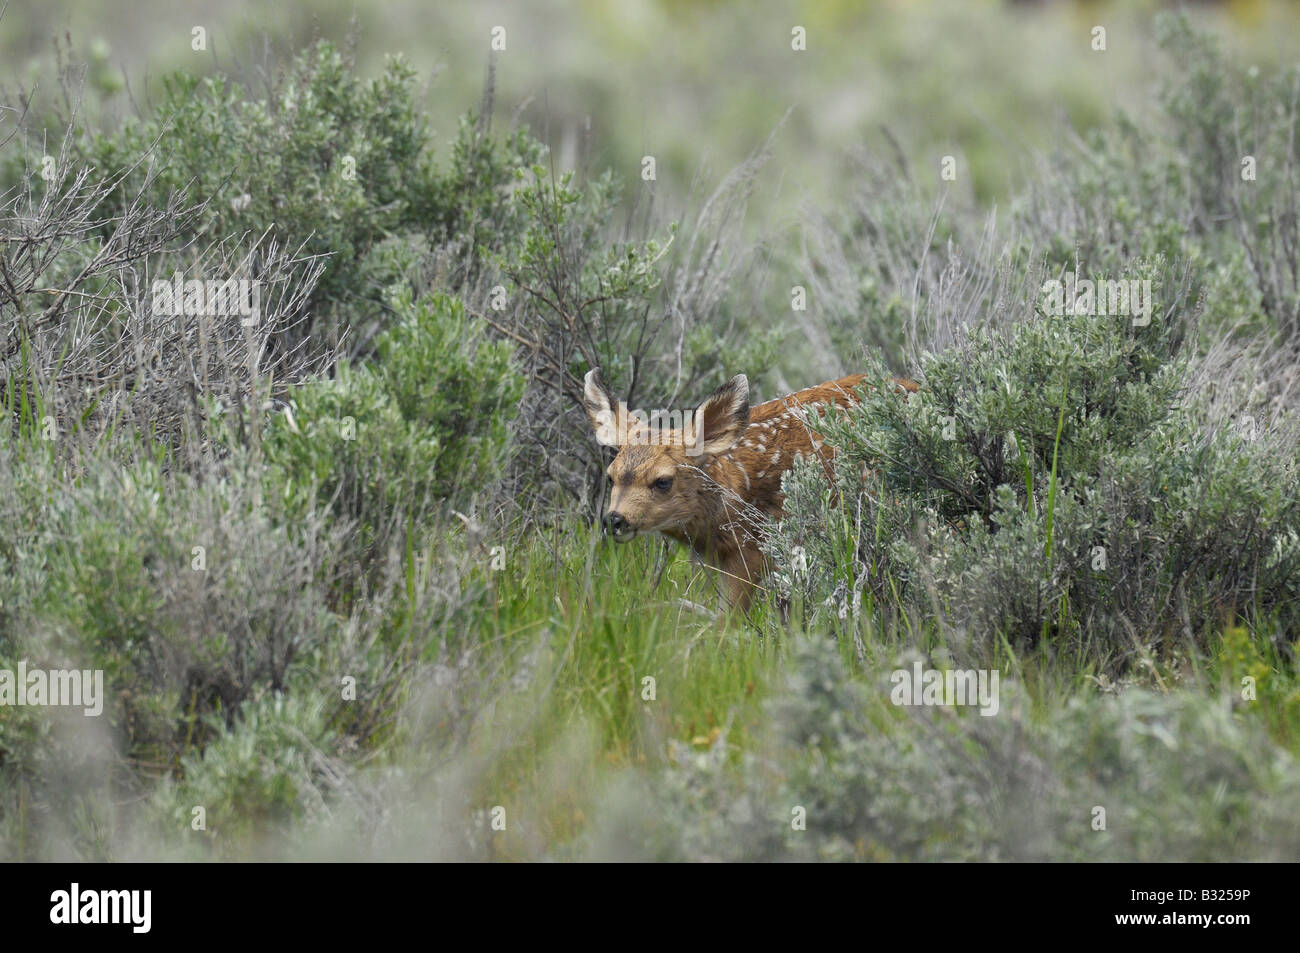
(658, 476)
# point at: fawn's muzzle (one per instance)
(618, 527)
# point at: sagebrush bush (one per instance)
(329, 163)
(325, 193)
(271, 775)
(185, 591)
(390, 445)
(1209, 178)
(1049, 478)
(1180, 777)
(197, 598)
(1169, 502)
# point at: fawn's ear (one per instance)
(723, 416)
(601, 408)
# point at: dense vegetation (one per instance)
(340, 567)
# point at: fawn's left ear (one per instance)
(601, 408)
(723, 416)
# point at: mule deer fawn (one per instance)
(712, 482)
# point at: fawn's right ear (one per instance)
(601, 408)
(723, 416)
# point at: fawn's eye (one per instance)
(663, 483)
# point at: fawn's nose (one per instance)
(614, 523)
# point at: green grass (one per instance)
(587, 618)
(584, 617)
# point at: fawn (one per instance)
(712, 482)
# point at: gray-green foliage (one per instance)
(1206, 181)
(1209, 179)
(189, 597)
(286, 615)
(206, 605)
(1170, 501)
(271, 774)
(188, 592)
(324, 191)
(1179, 777)
(387, 445)
(1136, 524)
(662, 315)
(327, 161)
